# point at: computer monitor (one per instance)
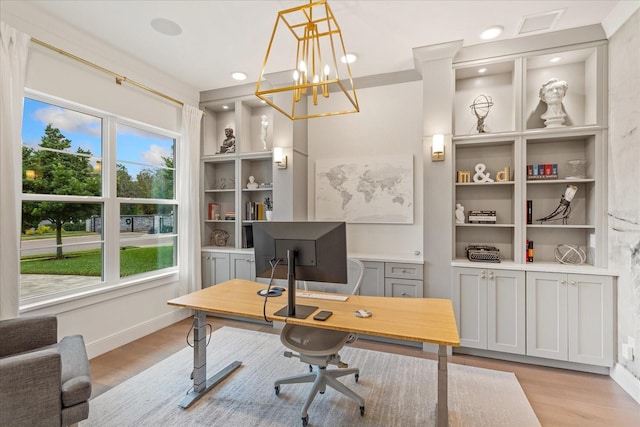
(313, 251)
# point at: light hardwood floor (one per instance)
(558, 397)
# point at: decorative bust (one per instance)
(229, 144)
(552, 93)
(252, 184)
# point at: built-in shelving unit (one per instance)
(515, 136)
(225, 194)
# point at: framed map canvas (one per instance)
(378, 190)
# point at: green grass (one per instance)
(133, 260)
(52, 235)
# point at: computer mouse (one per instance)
(363, 313)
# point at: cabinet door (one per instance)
(403, 288)
(506, 317)
(547, 315)
(215, 268)
(470, 305)
(243, 267)
(590, 319)
(373, 280)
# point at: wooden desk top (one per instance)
(416, 319)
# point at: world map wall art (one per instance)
(374, 191)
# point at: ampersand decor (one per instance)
(480, 176)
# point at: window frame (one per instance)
(110, 203)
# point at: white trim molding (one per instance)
(626, 380)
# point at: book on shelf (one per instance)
(542, 171)
(254, 211)
(529, 211)
(482, 217)
(214, 211)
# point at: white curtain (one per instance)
(189, 200)
(13, 64)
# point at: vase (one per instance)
(269, 215)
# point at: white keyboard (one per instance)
(322, 296)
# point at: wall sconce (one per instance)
(279, 158)
(437, 149)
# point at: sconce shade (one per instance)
(279, 158)
(437, 148)
(317, 83)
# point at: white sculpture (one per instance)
(552, 93)
(263, 133)
(459, 214)
(252, 184)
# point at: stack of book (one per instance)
(482, 217)
(254, 211)
(230, 215)
(542, 171)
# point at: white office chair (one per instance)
(319, 348)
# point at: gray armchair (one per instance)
(43, 382)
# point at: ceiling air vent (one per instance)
(540, 22)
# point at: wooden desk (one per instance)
(416, 319)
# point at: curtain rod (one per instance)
(119, 79)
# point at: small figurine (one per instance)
(229, 144)
(564, 207)
(263, 133)
(459, 214)
(252, 184)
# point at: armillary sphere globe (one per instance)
(481, 106)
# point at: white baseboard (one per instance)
(626, 380)
(140, 330)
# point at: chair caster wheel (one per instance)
(277, 389)
(362, 411)
(305, 420)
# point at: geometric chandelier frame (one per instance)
(316, 81)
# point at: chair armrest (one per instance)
(27, 333)
(30, 388)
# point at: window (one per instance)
(75, 197)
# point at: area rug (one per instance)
(398, 391)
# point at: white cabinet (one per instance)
(243, 266)
(570, 317)
(373, 280)
(215, 268)
(490, 308)
(392, 279)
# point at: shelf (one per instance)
(469, 184)
(561, 226)
(560, 181)
(486, 225)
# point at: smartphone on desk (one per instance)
(323, 315)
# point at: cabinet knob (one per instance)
(483, 274)
(572, 283)
(491, 275)
(563, 282)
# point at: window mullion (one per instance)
(111, 229)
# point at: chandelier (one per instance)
(320, 83)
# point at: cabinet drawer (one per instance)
(403, 288)
(403, 270)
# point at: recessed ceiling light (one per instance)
(225, 107)
(166, 27)
(555, 59)
(238, 75)
(482, 70)
(491, 32)
(349, 58)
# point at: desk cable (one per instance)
(266, 295)
(208, 325)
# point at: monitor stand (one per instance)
(292, 309)
(301, 311)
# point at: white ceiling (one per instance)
(219, 37)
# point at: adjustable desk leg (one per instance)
(442, 407)
(201, 384)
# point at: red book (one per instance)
(547, 169)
